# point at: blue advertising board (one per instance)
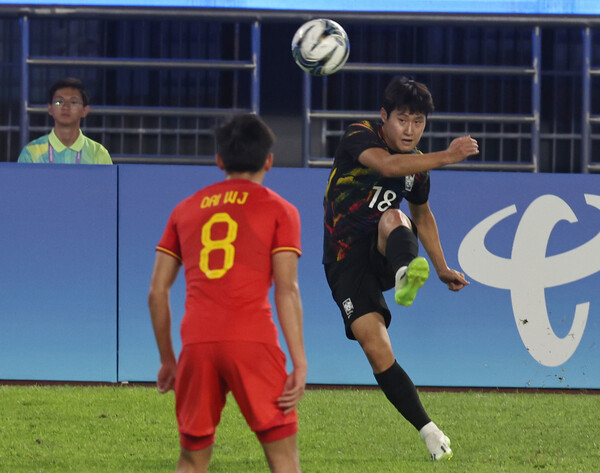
(58, 272)
(482, 336)
(528, 243)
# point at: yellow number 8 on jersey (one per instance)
(224, 244)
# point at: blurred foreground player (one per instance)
(234, 239)
(371, 246)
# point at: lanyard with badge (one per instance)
(51, 155)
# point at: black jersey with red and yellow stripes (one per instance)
(357, 195)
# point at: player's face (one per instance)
(402, 130)
(67, 107)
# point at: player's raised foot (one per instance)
(439, 446)
(410, 282)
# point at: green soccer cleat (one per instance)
(411, 281)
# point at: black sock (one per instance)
(401, 392)
(402, 247)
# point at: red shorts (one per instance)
(255, 374)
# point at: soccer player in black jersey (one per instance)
(371, 246)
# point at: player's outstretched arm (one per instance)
(430, 238)
(163, 276)
(289, 312)
(398, 165)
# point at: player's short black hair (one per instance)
(244, 143)
(403, 93)
(73, 83)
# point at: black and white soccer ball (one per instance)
(320, 47)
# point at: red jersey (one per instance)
(225, 236)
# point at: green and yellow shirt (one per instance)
(49, 149)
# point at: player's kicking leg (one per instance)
(397, 241)
(409, 280)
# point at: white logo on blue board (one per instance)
(528, 272)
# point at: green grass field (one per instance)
(109, 429)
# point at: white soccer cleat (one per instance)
(439, 446)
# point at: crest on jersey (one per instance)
(348, 307)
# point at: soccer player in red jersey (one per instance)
(234, 238)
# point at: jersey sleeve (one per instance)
(169, 243)
(419, 194)
(287, 232)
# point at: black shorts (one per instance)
(357, 283)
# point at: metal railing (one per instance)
(364, 68)
(251, 66)
(529, 124)
(588, 119)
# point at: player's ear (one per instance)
(219, 161)
(269, 162)
(383, 114)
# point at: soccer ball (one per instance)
(320, 47)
